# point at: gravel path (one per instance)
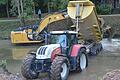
(113, 75)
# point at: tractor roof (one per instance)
(63, 32)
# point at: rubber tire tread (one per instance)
(25, 68)
(56, 68)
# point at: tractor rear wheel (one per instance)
(28, 67)
(83, 60)
(59, 68)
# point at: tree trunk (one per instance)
(21, 3)
(18, 7)
(33, 7)
(34, 11)
(114, 3)
(19, 13)
(48, 7)
(22, 11)
(7, 9)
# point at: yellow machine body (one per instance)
(18, 37)
(89, 25)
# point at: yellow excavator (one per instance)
(32, 34)
(87, 23)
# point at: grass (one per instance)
(7, 26)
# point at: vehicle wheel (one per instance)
(83, 60)
(28, 67)
(93, 51)
(59, 68)
(101, 47)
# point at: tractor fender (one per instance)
(56, 52)
(75, 50)
(64, 55)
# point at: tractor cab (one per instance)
(65, 38)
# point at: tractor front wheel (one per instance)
(59, 68)
(28, 67)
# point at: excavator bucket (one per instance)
(85, 19)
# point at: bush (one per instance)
(103, 9)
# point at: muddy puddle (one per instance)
(12, 55)
(106, 61)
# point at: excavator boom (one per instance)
(49, 19)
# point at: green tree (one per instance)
(15, 7)
(22, 7)
(56, 5)
(28, 6)
(5, 2)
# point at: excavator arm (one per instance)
(49, 19)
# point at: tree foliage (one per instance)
(27, 6)
(3, 1)
(13, 9)
(59, 4)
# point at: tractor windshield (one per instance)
(58, 39)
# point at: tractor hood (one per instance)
(44, 52)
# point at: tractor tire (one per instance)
(100, 47)
(27, 67)
(83, 59)
(94, 51)
(59, 68)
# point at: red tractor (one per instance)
(62, 55)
